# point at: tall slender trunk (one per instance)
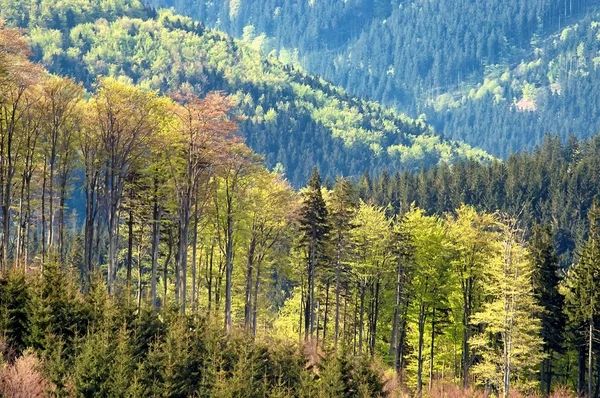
(421, 326)
(394, 338)
(375, 316)
(431, 350)
(400, 349)
(90, 217)
(156, 215)
(228, 262)
(61, 212)
(184, 228)
(166, 267)
(129, 247)
(255, 305)
(249, 271)
(325, 317)
(302, 312)
(195, 253)
(467, 291)
(210, 277)
(361, 317)
(140, 275)
(51, 196)
(590, 355)
(44, 213)
(338, 272)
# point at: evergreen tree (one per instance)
(582, 295)
(314, 221)
(546, 280)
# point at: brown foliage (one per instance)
(23, 379)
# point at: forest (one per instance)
(496, 74)
(148, 247)
(292, 118)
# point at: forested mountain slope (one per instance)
(445, 58)
(291, 117)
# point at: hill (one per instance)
(472, 67)
(289, 116)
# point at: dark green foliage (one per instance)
(546, 280)
(164, 353)
(555, 184)
(58, 311)
(15, 309)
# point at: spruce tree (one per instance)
(546, 280)
(315, 228)
(582, 295)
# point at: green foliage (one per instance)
(291, 117)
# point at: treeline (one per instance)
(554, 185)
(290, 117)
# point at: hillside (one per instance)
(290, 117)
(554, 89)
(429, 57)
(146, 249)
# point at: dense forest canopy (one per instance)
(147, 250)
(292, 118)
(497, 74)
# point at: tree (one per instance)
(314, 222)
(582, 296)
(60, 113)
(205, 131)
(431, 281)
(509, 342)
(18, 79)
(546, 279)
(235, 177)
(473, 237)
(342, 207)
(370, 240)
(126, 118)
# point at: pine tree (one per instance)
(546, 280)
(315, 227)
(582, 294)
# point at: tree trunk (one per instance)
(255, 305)
(431, 351)
(195, 254)
(61, 212)
(249, 270)
(326, 312)
(400, 348)
(421, 326)
(338, 275)
(129, 247)
(43, 216)
(375, 316)
(166, 267)
(394, 337)
(581, 370)
(156, 215)
(228, 263)
(361, 316)
(590, 355)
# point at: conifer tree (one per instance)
(582, 294)
(315, 227)
(546, 279)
